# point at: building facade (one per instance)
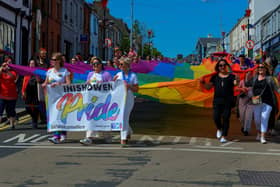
(46, 26)
(72, 27)
(15, 29)
(206, 46)
(238, 37)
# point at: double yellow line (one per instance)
(21, 120)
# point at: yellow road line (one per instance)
(21, 120)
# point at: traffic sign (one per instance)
(108, 42)
(250, 44)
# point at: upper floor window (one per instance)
(25, 3)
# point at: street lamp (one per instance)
(223, 36)
(150, 35)
(104, 24)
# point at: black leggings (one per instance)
(221, 116)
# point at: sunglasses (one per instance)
(121, 64)
(53, 59)
(96, 64)
(222, 65)
(261, 67)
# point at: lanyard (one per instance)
(128, 78)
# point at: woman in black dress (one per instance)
(29, 93)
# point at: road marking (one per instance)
(21, 138)
(149, 138)
(41, 138)
(142, 149)
(208, 142)
(193, 140)
(218, 147)
(21, 120)
(274, 150)
(176, 139)
(229, 143)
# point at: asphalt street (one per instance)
(173, 145)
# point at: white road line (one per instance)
(176, 139)
(208, 142)
(274, 150)
(229, 143)
(218, 147)
(41, 138)
(142, 149)
(193, 140)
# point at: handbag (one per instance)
(256, 100)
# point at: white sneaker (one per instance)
(219, 134)
(54, 140)
(62, 139)
(263, 141)
(223, 140)
(258, 137)
(86, 141)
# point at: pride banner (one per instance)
(81, 107)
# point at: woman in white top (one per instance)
(57, 75)
(96, 76)
(131, 81)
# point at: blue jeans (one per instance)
(261, 115)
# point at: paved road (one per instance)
(174, 145)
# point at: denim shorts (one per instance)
(9, 106)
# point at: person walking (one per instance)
(8, 93)
(223, 82)
(131, 82)
(263, 85)
(58, 75)
(98, 75)
(29, 92)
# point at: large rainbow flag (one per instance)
(165, 82)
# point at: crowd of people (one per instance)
(256, 101)
(33, 88)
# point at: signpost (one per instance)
(250, 44)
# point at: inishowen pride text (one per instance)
(103, 87)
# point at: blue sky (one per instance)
(178, 24)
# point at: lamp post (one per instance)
(247, 14)
(132, 20)
(150, 34)
(223, 44)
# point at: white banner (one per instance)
(81, 107)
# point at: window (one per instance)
(25, 3)
(71, 13)
(50, 8)
(58, 10)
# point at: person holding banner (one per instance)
(57, 75)
(131, 82)
(96, 76)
